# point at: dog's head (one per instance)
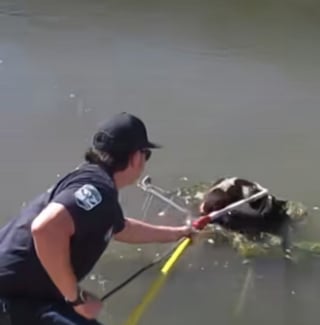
(226, 191)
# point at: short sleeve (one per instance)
(91, 208)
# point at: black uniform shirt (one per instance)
(90, 196)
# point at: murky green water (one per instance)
(228, 87)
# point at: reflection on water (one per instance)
(229, 88)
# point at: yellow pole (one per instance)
(175, 256)
(138, 312)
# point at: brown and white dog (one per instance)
(265, 215)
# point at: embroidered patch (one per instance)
(88, 197)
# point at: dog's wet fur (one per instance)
(266, 215)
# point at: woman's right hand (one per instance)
(91, 308)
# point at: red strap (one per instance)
(201, 222)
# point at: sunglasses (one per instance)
(147, 153)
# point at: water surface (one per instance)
(228, 87)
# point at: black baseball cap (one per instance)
(124, 132)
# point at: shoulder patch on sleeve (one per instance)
(87, 197)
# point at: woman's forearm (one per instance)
(138, 232)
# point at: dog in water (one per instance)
(265, 215)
